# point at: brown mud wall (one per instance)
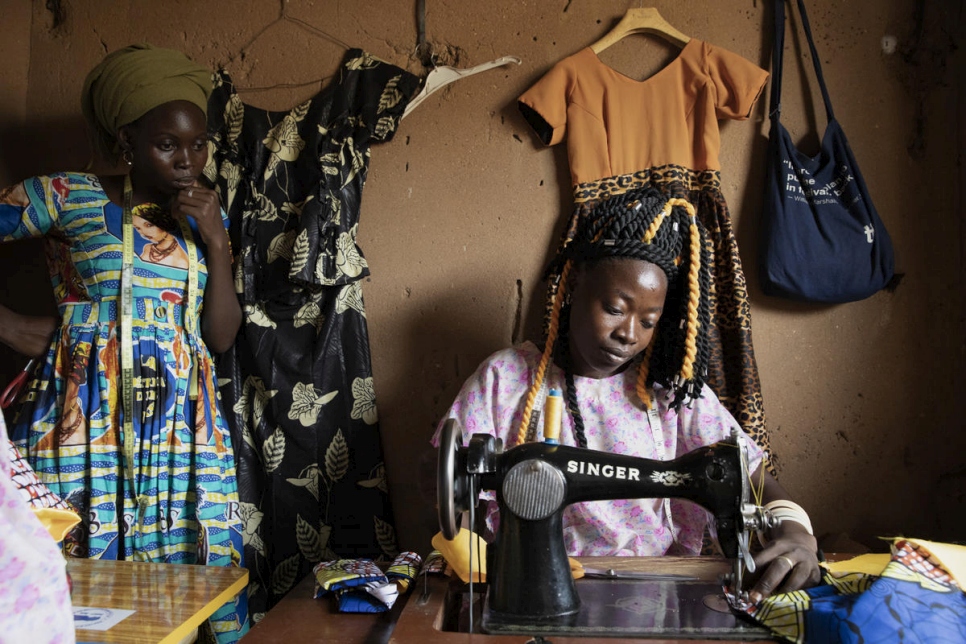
(463, 207)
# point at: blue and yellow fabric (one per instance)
(68, 422)
(913, 595)
(360, 586)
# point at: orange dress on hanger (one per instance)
(624, 134)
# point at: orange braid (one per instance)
(545, 358)
(694, 294)
(656, 224)
(642, 371)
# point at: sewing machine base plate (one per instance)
(638, 608)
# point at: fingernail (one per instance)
(754, 597)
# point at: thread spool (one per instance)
(551, 417)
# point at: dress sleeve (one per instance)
(489, 403)
(707, 421)
(544, 105)
(31, 208)
(737, 81)
(380, 92)
(491, 399)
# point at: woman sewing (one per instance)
(121, 417)
(627, 344)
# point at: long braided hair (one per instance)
(641, 225)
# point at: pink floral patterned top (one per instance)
(492, 401)
(34, 600)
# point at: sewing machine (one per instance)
(531, 586)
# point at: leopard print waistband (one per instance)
(686, 179)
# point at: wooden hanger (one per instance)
(441, 76)
(646, 20)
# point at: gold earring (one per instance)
(128, 156)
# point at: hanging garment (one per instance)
(624, 134)
(180, 505)
(298, 382)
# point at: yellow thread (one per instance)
(552, 412)
(545, 358)
(759, 490)
(760, 496)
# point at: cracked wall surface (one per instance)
(463, 208)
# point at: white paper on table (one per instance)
(98, 619)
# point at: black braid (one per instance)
(574, 410)
(563, 359)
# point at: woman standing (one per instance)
(122, 417)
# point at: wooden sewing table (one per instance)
(170, 600)
(418, 616)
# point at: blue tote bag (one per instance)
(822, 238)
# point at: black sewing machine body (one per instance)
(528, 572)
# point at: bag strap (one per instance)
(774, 108)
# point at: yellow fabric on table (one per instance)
(457, 555)
(870, 564)
(57, 522)
(952, 556)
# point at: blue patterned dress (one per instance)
(182, 506)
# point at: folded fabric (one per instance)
(435, 564)
(916, 597)
(57, 522)
(360, 586)
(403, 569)
(466, 549)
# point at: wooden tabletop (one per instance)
(170, 600)
(417, 617)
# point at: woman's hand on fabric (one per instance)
(29, 335)
(789, 562)
(203, 205)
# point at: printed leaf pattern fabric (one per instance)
(299, 380)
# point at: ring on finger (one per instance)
(791, 563)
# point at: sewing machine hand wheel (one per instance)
(452, 480)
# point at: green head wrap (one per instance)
(130, 82)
